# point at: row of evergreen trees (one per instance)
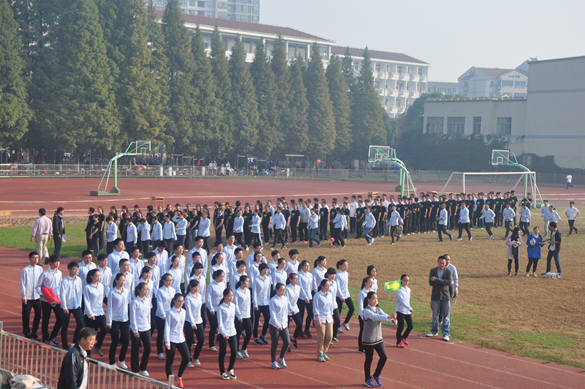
(84, 75)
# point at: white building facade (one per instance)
(400, 79)
(240, 10)
(548, 122)
(447, 88)
(486, 82)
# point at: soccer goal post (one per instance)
(474, 182)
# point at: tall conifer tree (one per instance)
(266, 96)
(280, 68)
(220, 69)
(244, 108)
(295, 121)
(320, 119)
(341, 107)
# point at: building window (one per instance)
(504, 126)
(222, 5)
(507, 83)
(378, 67)
(520, 84)
(420, 72)
(222, 15)
(477, 125)
(356, 66)
(242, 18)
(399, 70)
(435, 125)
(192, 12)
(255, 19)
(455, 125)
(255, 9)
(192, 3)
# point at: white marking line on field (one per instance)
(486, 350)
(13, 313)
(213, 373)
(67, 201)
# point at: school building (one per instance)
(549, 121)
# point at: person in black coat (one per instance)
(74, 368)
(58, 229)
(554, 247)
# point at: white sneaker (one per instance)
(458, 239)
(239, 355)
(161, 356)
(245, 353)
(122, 365)
(190, 364)
(491, 237)
(446, 338)
(232, 374)
(196, 362)
(527, 275)
(470, 239)
(372, 240)
(212, 348)
(144, 373)
(224, 376)
(431, 334)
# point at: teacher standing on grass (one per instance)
(41, 233)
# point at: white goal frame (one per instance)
(529, 181)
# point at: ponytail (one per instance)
(340, 263)
(226, 291)
(138, 287)
(365, 281)
(300, 268)
(324, 281)
(368, 297)
(242, 279)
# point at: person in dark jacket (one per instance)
(554, 247)
(58, 229)
(440, 279)
(75, 368)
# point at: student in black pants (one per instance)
(140, 328)
(193, 322)
(71, 297)
(30, 297)
(50, 279)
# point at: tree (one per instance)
(266, 97)
(14, 111)
(281, 71)
(321, 122)
(366, 111)
(140, 97)
(348, 70)
(295, 121)
(209, 120)
(81, 114)
(112, 21)
(182, 99)
(341, 108)
(220, 70)
(244, 108)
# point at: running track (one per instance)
(426, 363)
(24, 196)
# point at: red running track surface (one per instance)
(426, 363)
(24, 196)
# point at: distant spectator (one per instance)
(42, 232)
(58, 229)
(569, 181)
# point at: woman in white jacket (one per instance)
(226, 314)
(243, 301)
(403, 312)
(174, 338)
(322, 312)
(279, 308)
(293, 291)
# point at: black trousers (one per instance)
(293, 231)
(160, 327)
(144, 338)
(381, 350)
(238, 236)
(309, 308)
(120, 332)
(265, 311)
(524, 228)
(247, 236)
(571, 228)
(359, 229)
(78, 316)
(278, 236)
(190, 339)
(184, 351)
(401, 319)
(26, 308)
(109, 247)
(98, 324)
(298, 324)
(532, 262)
(218, 233)
(58, 241)
(488, 228)
(337, 240)
(144, 246)
(244, 325)
(323, 229)
(360, 345)
(212, 328)
(206, 243)
(442, 230)
(266, 232)
(515, 263)
(275, 334)
(350, 308)
(336, 322)
(223, 342)
(47, 308)
(508, 229)
(303, 234)
(464, 226)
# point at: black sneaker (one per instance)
(55, 342)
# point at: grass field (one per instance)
(536, 317)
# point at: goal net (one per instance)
(475, 182)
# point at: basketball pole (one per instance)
(388, 155)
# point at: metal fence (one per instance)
(23, 356)
(133, 170)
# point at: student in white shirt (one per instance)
(50, 279)
(243, 301)
(334, 286)
(524, 219)
(255, 230)
(240, 270)
(131, 235)
(553, 216)
(488, 217)
(85, 266)
(115, 256)
(305, 298)
(572, 214)
(30, 297)
(136, 264)
(279, 276)
(182, 224)
(369, 223)
(238, 229)
(569, 181)
(169, 234)
(544, 213)
(193, 321)
(71, 296)
(367, 284)
(293, 291)
(395, 220)
(279, 308)
(106, 278)
(162, 257)
(117, 320)
(94, 315)
(464, 221)
(204, 225)
(343, 296)
(145, 276)
(292, 265)
(176, 273)
(313, 228)
(261, 290)
(322, 309)
(197, 274)
(403, 312)
(174, 338)
(214, 294)
(154, 270)
(164, 296)
(156, 233)
(140, 327)
(226, 314)
(130, 280)
(508, 214)
(111, 234)
(318, 272)
(144, 229)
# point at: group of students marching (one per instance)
(178, 295)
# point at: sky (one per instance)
(450, 35)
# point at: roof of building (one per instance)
(494, 72)
(245, 26)
(386, 55)
(443, 84)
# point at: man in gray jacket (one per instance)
(440, 279)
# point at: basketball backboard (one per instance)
(500, 157)
(381, 154)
